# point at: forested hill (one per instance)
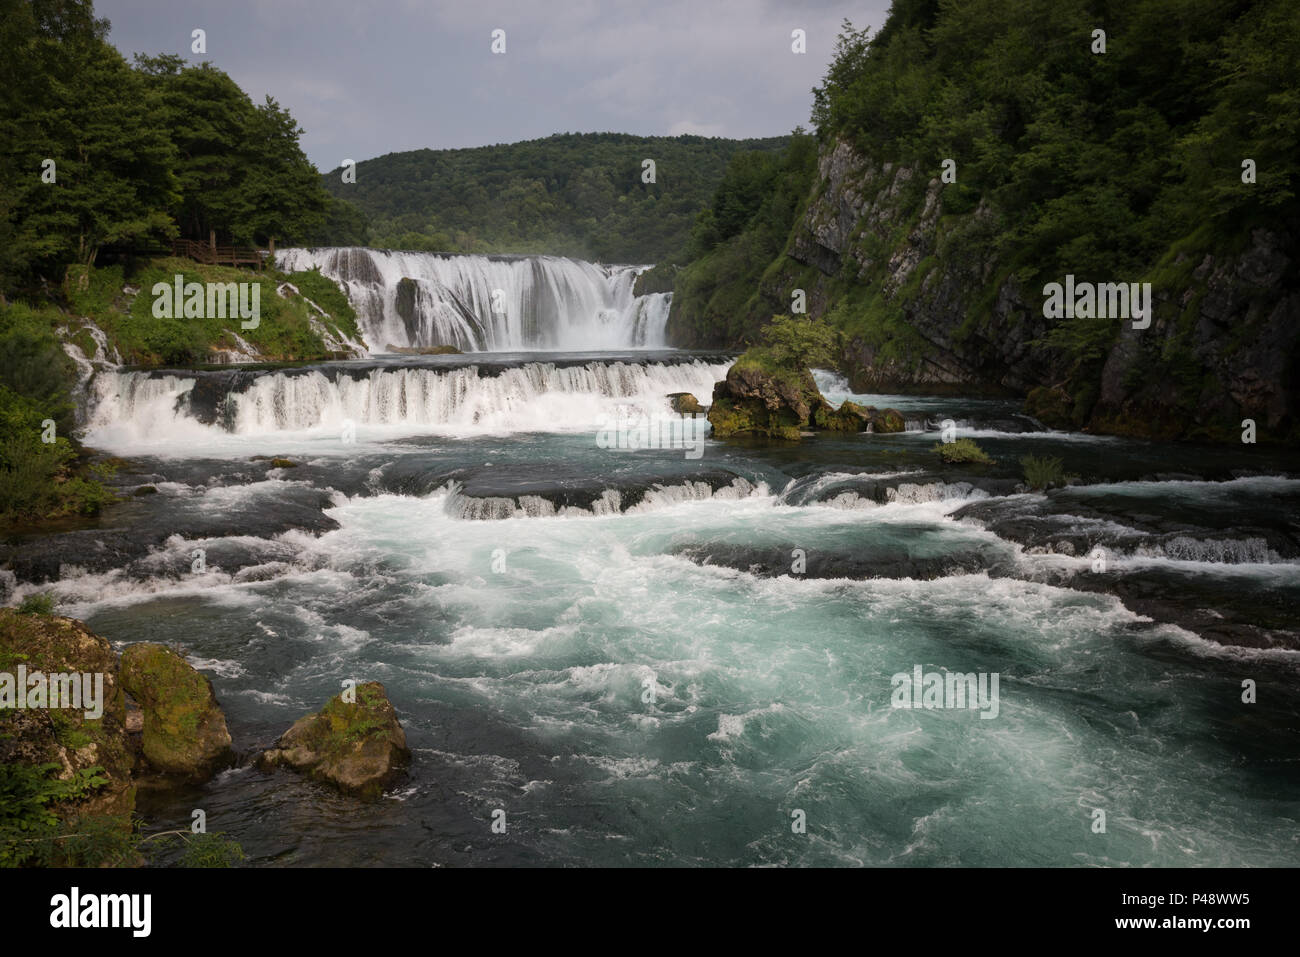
(1156, 141)
(576, 194)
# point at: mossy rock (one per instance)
(887, 421)
(279, 463)
(52, 644)
(358, 747)
(685, 403)
(962, 452)
(145, 490)
(849, 417)
(750, 417)
(184, 730)
(762, 397)
(1053, 407)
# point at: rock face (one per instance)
(65, 736)
(941, 313)
(184, 731)
(357, 747)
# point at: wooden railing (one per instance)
(220, 255)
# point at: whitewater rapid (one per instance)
(489, 303)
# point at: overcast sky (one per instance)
(368, 78)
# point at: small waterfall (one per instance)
(532, 397)
(489, 303)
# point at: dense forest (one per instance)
(1105, 141)
(571, 194)
(102, 164)
(99, 154)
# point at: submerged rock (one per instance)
(358, 747)
(184, 730)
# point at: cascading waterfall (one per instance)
(489, 303)
(535, 396)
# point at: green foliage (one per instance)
(571, 194)
(31, 832)
(800, 343)
(327, 294)
(722, 297)
(68, 96)
(239, 168)
(1043, 472)
(963, 451)
(211, 850)
(39, 478)
(142, 154)
(37, 603)
(1074, 149)
(284, 330)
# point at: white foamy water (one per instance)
(489, 302)
(140, 411)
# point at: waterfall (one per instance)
(471, 399)
(489, 303)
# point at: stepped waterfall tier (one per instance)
(477, 303)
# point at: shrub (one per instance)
(962, 451)
(37, 603)
(1043, 472)
(802, 343)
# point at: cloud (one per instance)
(369, 79)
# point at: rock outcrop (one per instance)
(356, 746)
(762, 398)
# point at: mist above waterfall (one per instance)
(489, 303)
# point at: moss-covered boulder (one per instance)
(358, 747)
(849, 417)
(763, 397)
(685, 403)
(887, 421)
(81, 748)
(184, 731)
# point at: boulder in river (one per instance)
(184, 731)
(358, 747)
(849, 417)
(887, 420)
(685, 403)
(762, 397)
